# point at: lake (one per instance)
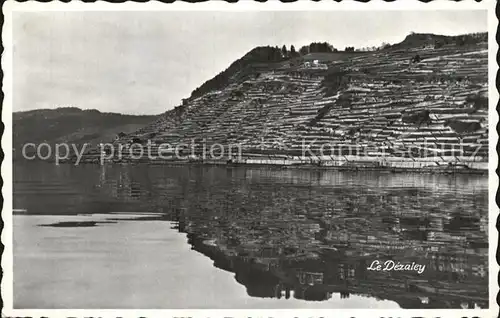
(243, 237)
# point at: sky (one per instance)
(146, 62)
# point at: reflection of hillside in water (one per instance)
(309, 234)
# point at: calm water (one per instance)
(221, 237)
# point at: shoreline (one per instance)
(452, 168)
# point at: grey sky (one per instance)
(146, 62)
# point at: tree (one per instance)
(329, 47)
(385, 46)
(304, 50)
(313, 47)
(284, 51)
(321, 47)
(273, 54)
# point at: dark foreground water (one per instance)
(221, 237)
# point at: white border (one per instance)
(6, 285)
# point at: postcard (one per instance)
(307, 159)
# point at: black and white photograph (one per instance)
(249, 159)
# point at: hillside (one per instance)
(71, 125)
(419, 39)
(419, 103)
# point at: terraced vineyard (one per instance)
(403, 107)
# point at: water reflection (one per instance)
(297, 233)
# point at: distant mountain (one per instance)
(71, 125)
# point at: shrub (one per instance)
(334, 81)
(418, 117)
(478, 101)
(461, 127)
